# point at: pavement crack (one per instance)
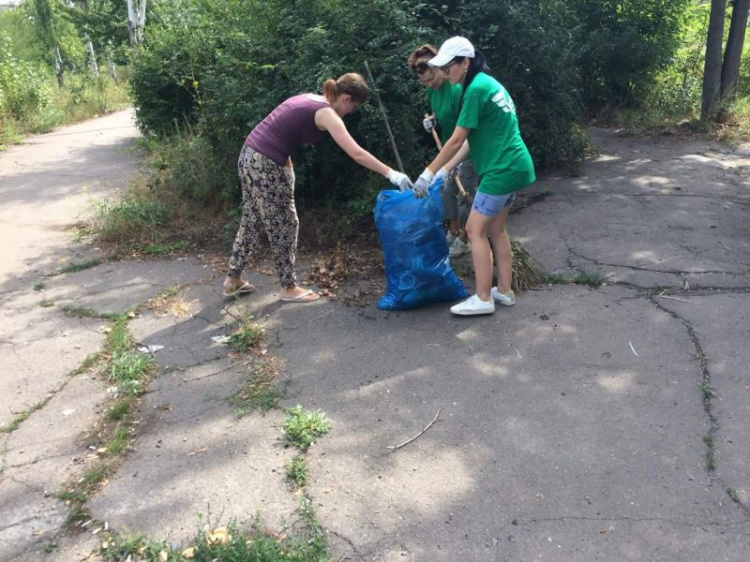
(651, 270)
(707, 394)
(690, 524)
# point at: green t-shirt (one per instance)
(444, 103)
(501, 158)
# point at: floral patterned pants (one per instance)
(268, 197)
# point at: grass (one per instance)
(246, 336)
(82, 312)
(38, 286)
(162, 249)
(555, 279)
(119, 442)
(257, 393)
(46, 303)
(733, 495)
(79, 266)
(128, 369)
(297, 471)
(120, 409)
(302, 428)
(306, 542)
(710, 458)
(590, 279)
(707, 391)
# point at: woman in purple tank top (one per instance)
(267, 177)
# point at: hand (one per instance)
(423, 183)
(429, 123)
(442, 174)
(398, 179)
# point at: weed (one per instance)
(257, 392)
(135, 219)
(733, 494)
(555, 279)
(301, 428)
(160, 249)
(590, 279)
(16, 423)
(706, 391)
(120, 409)
(710, 459)
(94, 477)
(79, 266)
(118, 442)
(81, 312)
(49, 546)
(38, 286)
(46, 303)
(246, 336)
(119, 339)
(91, 360)
(128, 368)
(297, 471)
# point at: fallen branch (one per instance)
(662, 295)
(428, 426)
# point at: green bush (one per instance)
(23, 86)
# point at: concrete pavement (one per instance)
(583, 424)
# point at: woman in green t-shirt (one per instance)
(487, 122)
(444, 98)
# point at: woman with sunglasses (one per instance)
(267, 177)
(487, 120)
(444, 98)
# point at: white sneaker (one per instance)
(472, 306)
(459, 248)
(507, 299)
(450, 237)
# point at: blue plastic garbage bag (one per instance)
(417, 268)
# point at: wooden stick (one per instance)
(385, 118)
(440, 147)
(428, 426)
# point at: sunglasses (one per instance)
(447, 67)
(421, 68)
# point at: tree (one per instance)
(45, 25)
(721, 73)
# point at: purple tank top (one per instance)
(292, 123)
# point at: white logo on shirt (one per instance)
(504, 103)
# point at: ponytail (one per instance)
(477, 64)
(351, 83)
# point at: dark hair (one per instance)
(352, 83)
(477, 64)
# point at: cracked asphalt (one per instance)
(583, 424)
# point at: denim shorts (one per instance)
(492, 205)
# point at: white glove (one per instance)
(441, 175)
(429, 123)
(398, 179)
(423, 182)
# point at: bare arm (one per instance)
(453, 149)
(328, 120)
(460, 156)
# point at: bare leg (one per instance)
(503, 252)
(477, 227)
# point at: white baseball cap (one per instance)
(452, 48)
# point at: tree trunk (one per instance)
(730, 70)
(59, 68)
(712, 68)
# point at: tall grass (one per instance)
(31, 102)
